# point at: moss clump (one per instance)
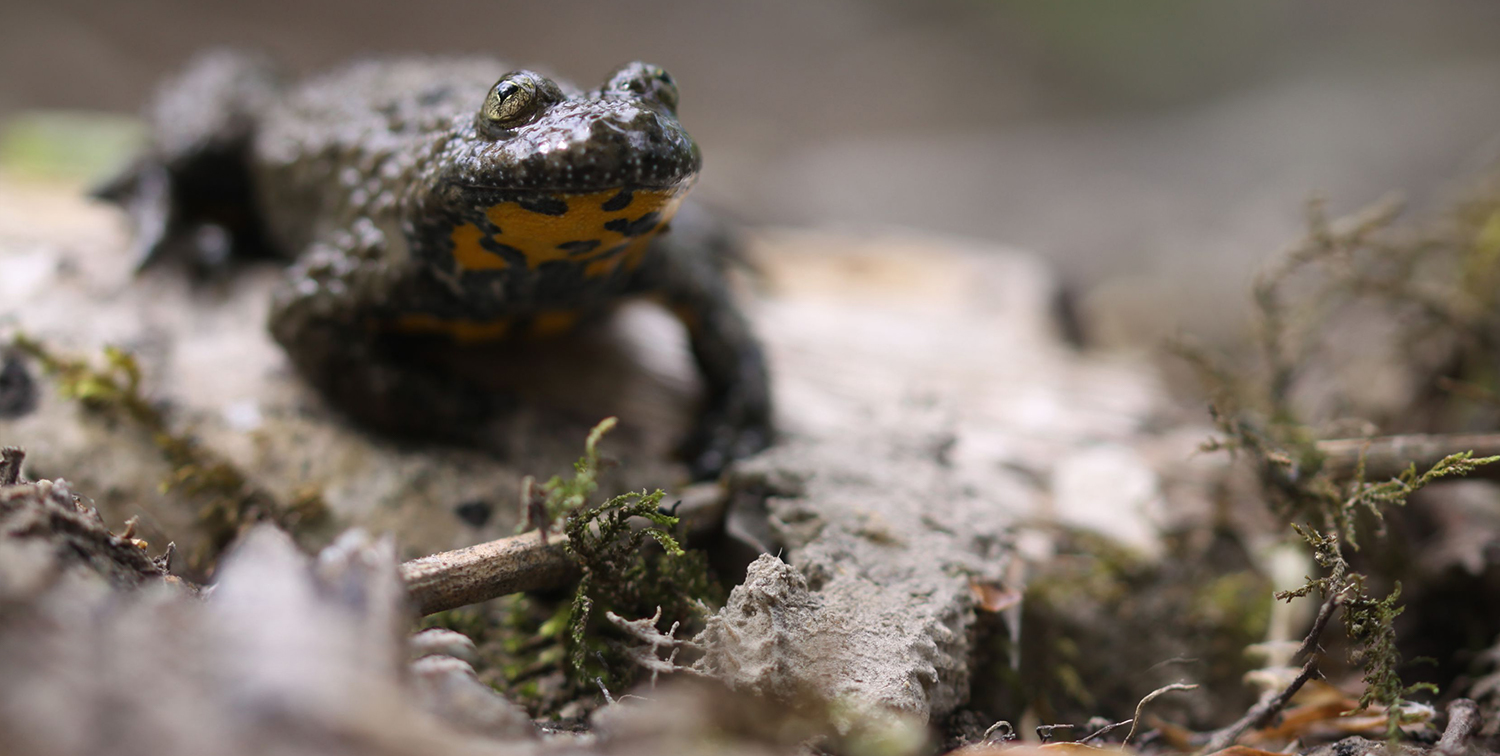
(545, 653)
(619, 575)
(228, 500)
(1421, 282)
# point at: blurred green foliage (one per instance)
(67, 145)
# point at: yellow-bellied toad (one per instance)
(425, 197)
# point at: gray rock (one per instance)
(924, 396)
(286, 655)
(442, 641)
(48, 533)
(928, 403)
(875, 608)
(448, 688)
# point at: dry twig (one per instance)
(1044, 732)
(527, 562)
(999, 732)
(451, 579)
(652, 640)
(1105, 730)
(1388, 456)
(1152, 696)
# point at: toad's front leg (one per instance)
(688, 271)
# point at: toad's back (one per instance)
(352, 143)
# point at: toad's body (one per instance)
(423, 197)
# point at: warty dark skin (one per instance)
(445, 199)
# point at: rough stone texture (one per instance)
(928, 404)
(285, 655)
(927, 400)
(47, 534)
(855, 641)
(448, 687)
(855, 328)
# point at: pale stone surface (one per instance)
(1110, 488)
(854, 327)
(927, 404)
(448, 688)
(286, 655)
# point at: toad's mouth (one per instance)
(602, 231)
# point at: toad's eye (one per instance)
(515, 100)
(646, 81)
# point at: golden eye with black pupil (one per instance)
(516, 99)
(510, 102)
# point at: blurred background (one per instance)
(1155, 150)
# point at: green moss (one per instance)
(521, 647)
(618, 574)
(543, 652)
(68, 145)
(1439, 286)
(227, 500)
(468, 620)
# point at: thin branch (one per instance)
(526, 562)
(488, 570)
(1152, 696)
(1044, 732)
(1388, 456)
(1105, 730)
(1261, 713)
(1325, 613)
(1006, 733)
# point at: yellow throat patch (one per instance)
(600, 230)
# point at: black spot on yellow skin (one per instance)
(618, 202)
(603, 230)
(579, 248)
(469, 252)
(544, 204)
(643, 225)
